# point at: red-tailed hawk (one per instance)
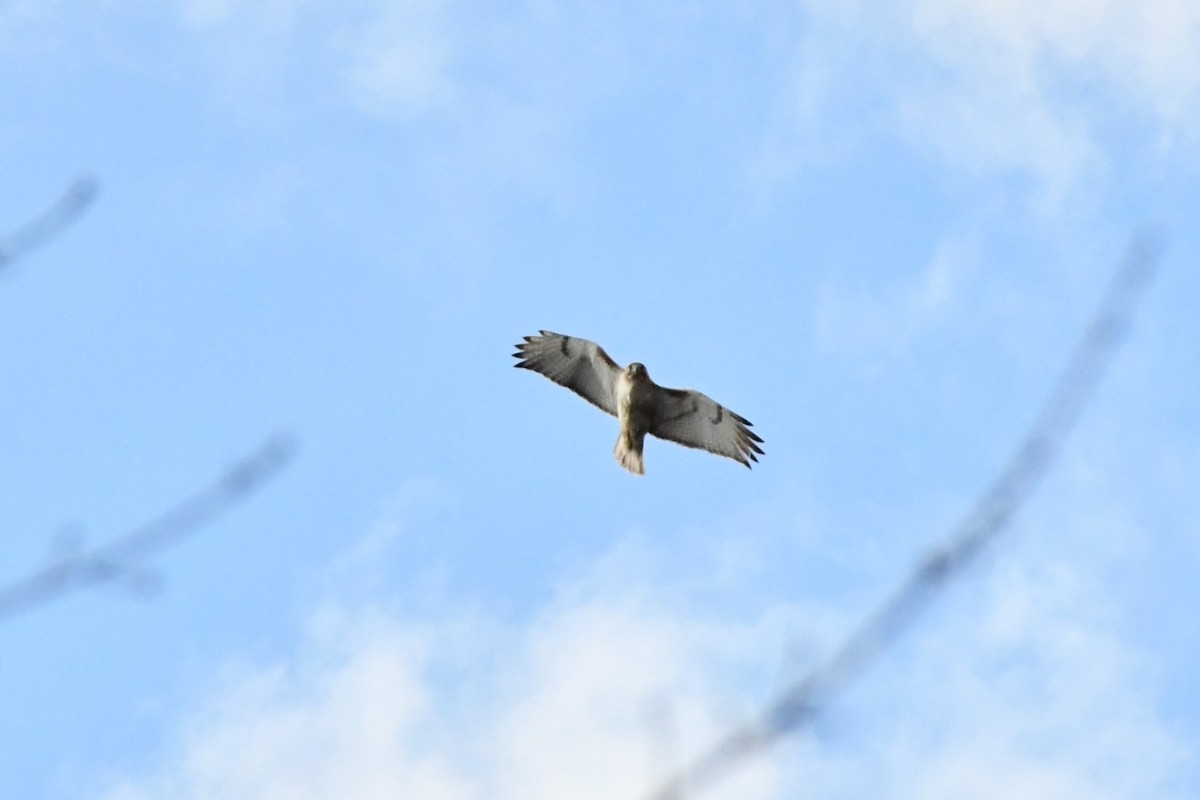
(642, 406)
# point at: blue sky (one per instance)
(875, 229)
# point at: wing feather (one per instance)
(578, 364)
(692, 419)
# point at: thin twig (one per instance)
(50, 222)
(122, 559)
(798, 705)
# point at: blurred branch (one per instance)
(71, 567)
(798, 705)
(50, 222)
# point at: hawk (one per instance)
(642, 406)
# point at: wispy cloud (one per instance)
(397, 60)
(1040, 698)
(249, 45)
(1024, 88)
(1144, 52)
(885, 322)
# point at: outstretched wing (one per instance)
(580, 365)
(696, 420)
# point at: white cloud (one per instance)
(379, 708)
(1042, 700)
(353, 719)
(249, 45)
(1007, 87)
(867, 324)
(397, 60)
(1146, 51)
(983, 125)
(205, 13)
(366, 567)
(1028, 86)
(388, 59)
(29, 24)
(798, 132)
(19, 11)
(1022, 690)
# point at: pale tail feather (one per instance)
(629, 454)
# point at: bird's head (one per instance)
(637, 371)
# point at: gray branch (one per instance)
(49, 223)
(124, 558)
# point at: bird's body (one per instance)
(635, 412)
(639, 404)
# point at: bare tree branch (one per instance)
(123, 559)
(50, 222)
(993, 510)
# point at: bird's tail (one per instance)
(629, 453)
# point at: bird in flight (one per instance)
(642, 406)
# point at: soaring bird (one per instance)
(641, 405)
